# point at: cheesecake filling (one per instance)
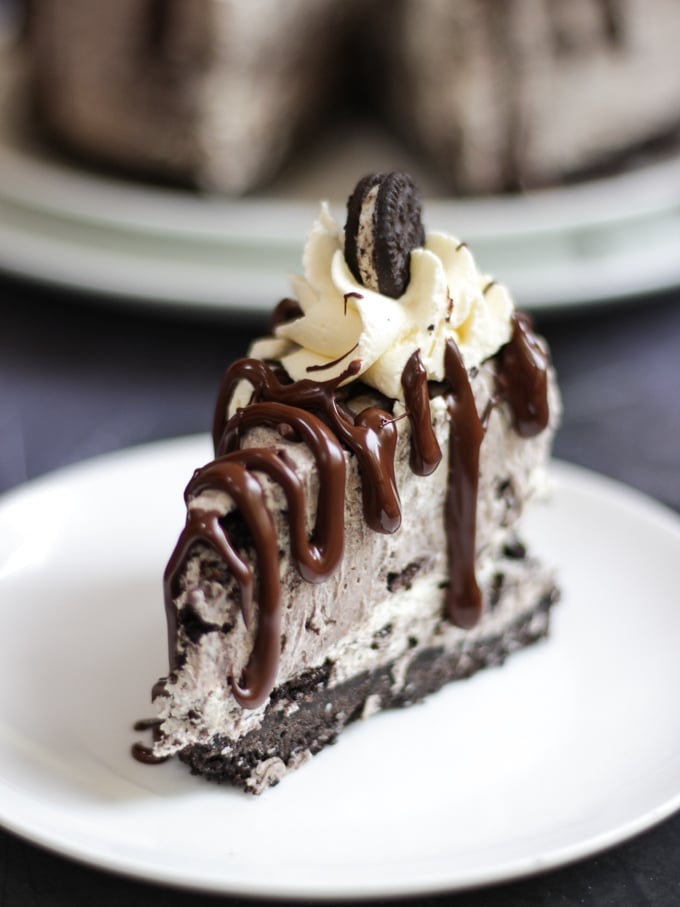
(305, 408)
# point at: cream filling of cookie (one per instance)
(366, 240)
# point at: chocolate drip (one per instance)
(287, 310)
(371, 434)
(204, 526)
(463, 597)
(333, 363)
(522, 378)
(346, 298)
(425, 450)
(316, 559)
(140, 751)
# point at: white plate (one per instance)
(605, 240)
(572, 746)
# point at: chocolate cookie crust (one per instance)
(304, 716)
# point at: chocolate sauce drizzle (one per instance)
(371, 434)
(140, 751)
(316, 413)
(523, 378)
(286, 310)
(426, 453)
(463, 597)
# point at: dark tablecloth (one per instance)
(81, 376)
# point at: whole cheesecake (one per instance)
(355, 544)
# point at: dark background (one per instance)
(81, 376)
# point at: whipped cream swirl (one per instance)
(342, 321)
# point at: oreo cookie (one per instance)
(383, 227)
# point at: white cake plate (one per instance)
(571, 747)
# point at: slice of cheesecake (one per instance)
(355, 543)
